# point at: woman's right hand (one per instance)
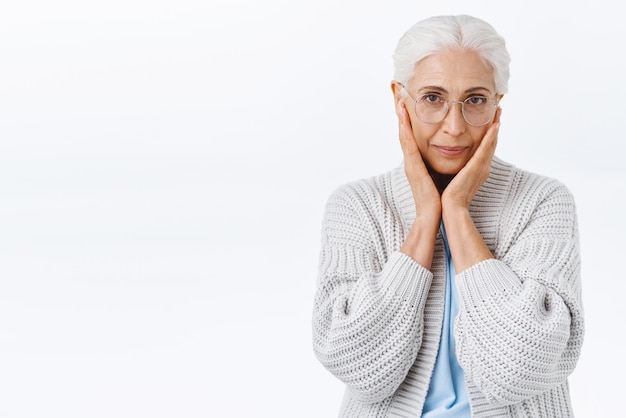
(420, 241)
(425, 193)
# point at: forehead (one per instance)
(453, 71)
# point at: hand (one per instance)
(463, 187)
(425, 193)
(419, 244)
(466, 244)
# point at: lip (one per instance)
(450, 151)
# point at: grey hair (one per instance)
(452, 33)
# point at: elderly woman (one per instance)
(450, 286)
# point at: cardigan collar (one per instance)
(491, 195)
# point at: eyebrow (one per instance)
(441, 89)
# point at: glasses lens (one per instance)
(478, 110)
(431, 108)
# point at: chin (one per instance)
(446, 169)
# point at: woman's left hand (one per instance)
(461, 190)
(466, 244)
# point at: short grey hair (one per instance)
(452, 33)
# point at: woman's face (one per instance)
(456, 75)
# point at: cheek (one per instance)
(422, 134)
(477, 134)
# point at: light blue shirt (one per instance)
(447, 394)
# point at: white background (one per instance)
(164, 166)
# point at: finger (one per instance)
(490, 140)
(413, 162)
(403, 117)
(496, 118)
(406, 133)
(487, 147)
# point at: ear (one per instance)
(499, 97)
(398, 91)
(398, 94)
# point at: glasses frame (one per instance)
(447, 108)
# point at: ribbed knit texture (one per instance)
(377, 313)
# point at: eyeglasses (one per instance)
(477, 110)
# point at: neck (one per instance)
(441, 180)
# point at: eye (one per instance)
(431, 99)
(476, 100)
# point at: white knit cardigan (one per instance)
(378, 314)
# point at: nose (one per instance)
(454, 123)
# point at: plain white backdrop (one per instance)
(164, 166)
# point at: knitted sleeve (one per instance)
(520, 325)
(367, 324)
